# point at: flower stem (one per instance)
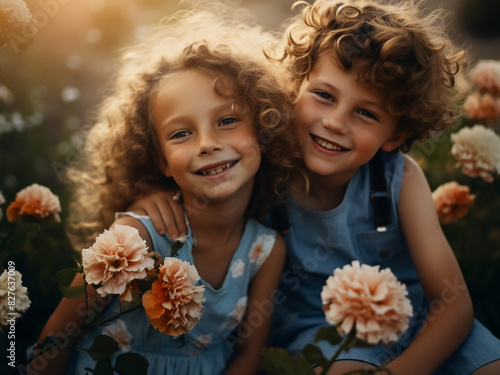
(117, 315)
(78, 329)
(346, 341)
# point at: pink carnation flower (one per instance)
(482, 107)
(118, 256)
(452, 201)
(35, 200)
(477, 150)
(373, 300)
(174, 303)
(486, 76)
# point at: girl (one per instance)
(370, 78)
(197, 116)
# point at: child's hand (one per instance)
(166, 214)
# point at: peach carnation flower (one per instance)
(34, 200)
(477, 150)
(486, 76)
(118, 256)
(2, 201)
(373, 301)
(174, 302)
(8, 280)
(452, 201)
(482, 107)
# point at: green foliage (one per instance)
(103, 350)
(475, 239)
(65, 277)
(131, 364)
(277, 361)
(103, 346)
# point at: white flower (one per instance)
(372, 300)
(203, 341)
(261, 248)
(118, 331)
(11, 281)
(236, 315)
(477, 150)
(237, 268)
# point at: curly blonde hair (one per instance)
(404, 53)
(118, 163)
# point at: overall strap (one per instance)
(379, 195)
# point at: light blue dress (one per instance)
(318, 242)
(209, 346)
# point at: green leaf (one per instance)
(131, 364)
(103, 366)
(65, 277)
(103, 346)
(176, 246)
(328, 333)
(23, 234)
(48, 342)
(277, 361)
(314, 355)
(145, 284)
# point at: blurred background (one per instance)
(52, 76)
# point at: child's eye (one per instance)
(324, 95)
(369, 114)
(180, 134)
(227, 121)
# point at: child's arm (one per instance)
(68, 316)
(257, 321)
(166, 214)
(71, 314)
(450, 315)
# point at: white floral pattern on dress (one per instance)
(261, 248)
(203, 341)
(118, 331)
(237, 268)
(236, 316)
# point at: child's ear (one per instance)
(396, 141)
(163, 165)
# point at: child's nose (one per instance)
(209, 143)
(335, 119)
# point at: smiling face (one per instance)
(341, 123)
(208, 149)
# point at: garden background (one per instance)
(53, 77)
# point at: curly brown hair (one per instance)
(404, 53)
(118, 163)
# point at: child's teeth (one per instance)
(328, 145)
(216, 170)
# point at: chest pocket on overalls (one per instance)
(383, 248)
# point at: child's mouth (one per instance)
(328, 145)
(217, 170)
